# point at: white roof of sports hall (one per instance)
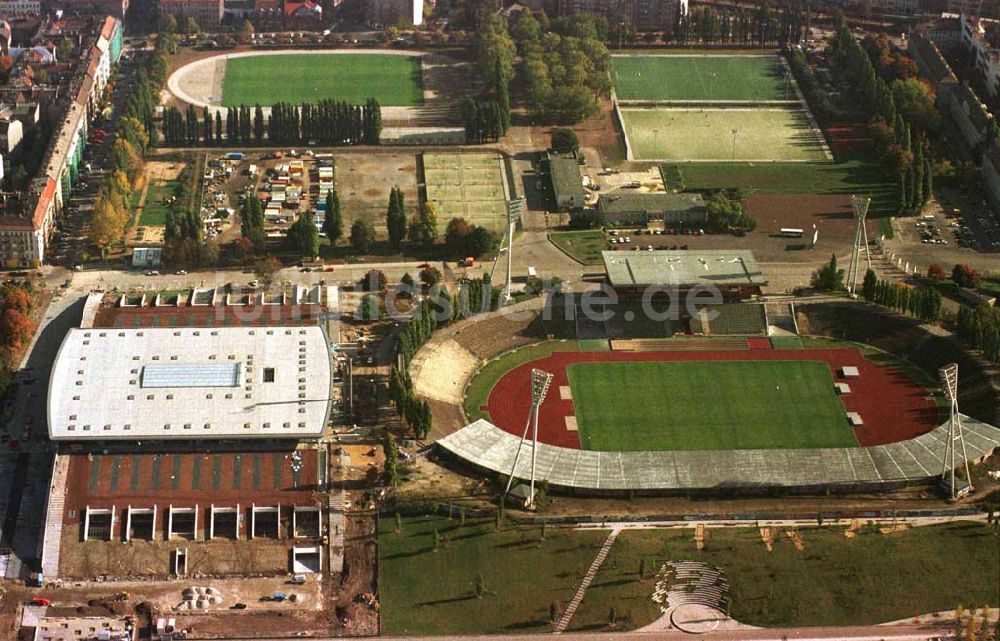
(682, 268)
(190, 383)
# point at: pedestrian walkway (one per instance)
(567, 616)
(54, 518)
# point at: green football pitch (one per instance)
(700, 78)
(311, 77)
(761, 134)
(638, 406)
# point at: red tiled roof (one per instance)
(291, 7)
(44, 200)
(108, 28)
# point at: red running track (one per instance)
(894, 407)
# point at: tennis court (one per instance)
(469, 186)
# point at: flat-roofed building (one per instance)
(734, 273)
(621, 208)
(266, 382)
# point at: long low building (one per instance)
(734, 272)
(191, 383)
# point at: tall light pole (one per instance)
(734, 130)
(949, 378)
(860, 206)
(515, 209)
(540, 382)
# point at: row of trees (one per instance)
(329, 122)
(137, 133)
(980, 328)
(487, 117)
(901, 114)
(921, 302)
(759, 27)
(184, 236)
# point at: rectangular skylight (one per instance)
(191, 375)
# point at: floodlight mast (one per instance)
(860, 206)
(955, 439)
(515, 209)
(540, 383)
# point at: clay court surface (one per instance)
(264, 477)
(893, 406)
(848, 137)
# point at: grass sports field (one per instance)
(311, 77)
(638, 406)
(700, 77)
(762, 134)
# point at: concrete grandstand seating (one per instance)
(739, 319)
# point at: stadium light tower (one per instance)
(860, 206)
(515, 209)
(540, 383)
(949, 378)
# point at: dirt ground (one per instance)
(364, 180)
(152, 559)
(260, 618)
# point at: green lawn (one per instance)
(700, 77)
(154, 212)
(428, 591)
(872, 578)
(762, 134)
(583, 246)
(311, 77)
(858, 175)
(478, 390)
(637, 406)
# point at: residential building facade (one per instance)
(404, 13)
(643, 15)
(986, 58)
(207, 13)
(18, 8)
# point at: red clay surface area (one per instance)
(893, 406)
(847, 137)
(183, 479)
(206, 316)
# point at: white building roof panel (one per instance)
(190, 383)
